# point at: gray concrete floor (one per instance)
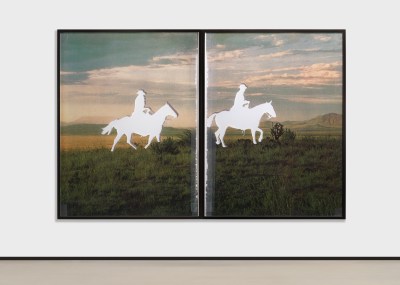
(200, 272)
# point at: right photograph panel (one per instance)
(274, 124)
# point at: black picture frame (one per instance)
(201, 121)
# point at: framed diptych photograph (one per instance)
(211, 124)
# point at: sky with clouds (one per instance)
(100, 74)
(300, 72)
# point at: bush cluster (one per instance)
(277, 131)
(288, 136)
(185, 139)
(167, 145)
(279, 134)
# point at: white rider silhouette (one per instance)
(140, 103)
(141, 122)
(241, 117)
(240, 102)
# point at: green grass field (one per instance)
(303, 178)
(153, 182)
(296, 179)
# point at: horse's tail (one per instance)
(210, 120)
(107, 130)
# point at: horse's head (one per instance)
(171, 111)
(269, 110)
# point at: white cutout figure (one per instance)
(140, 103)
(140, 123)
(240, 102)
(241, 118)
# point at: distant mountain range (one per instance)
(90, 120)
(328, 123)
(325, 124)
(328, 120)
(331, 120)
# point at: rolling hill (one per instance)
(329, 123)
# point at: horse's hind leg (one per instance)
(128, 140)
(222, 134)
(149, 142)
(217, 134)
(117, 138)
(261, 134)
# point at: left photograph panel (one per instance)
(127, 124)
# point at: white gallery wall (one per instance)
(28, 225)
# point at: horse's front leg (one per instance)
(128, 140)
(253, 134)
(149, 142)
(261, 134)
(158, 137)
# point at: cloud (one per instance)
(118, 85)
(318, 74)
(177, 68)
(278, 42)
(70, 77)
(315, 74)
(275, 40)
(226, 55)
(175, 59)
(275, 54)
(263, 37)
(322, 38)
(67, 72)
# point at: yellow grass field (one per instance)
(87, 142)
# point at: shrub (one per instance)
(244, 142)
(270, 143)
(185, 139)
(277, 131)
(288, 136)
(167, 145)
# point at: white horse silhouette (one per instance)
(242, 119)
(145, 125)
